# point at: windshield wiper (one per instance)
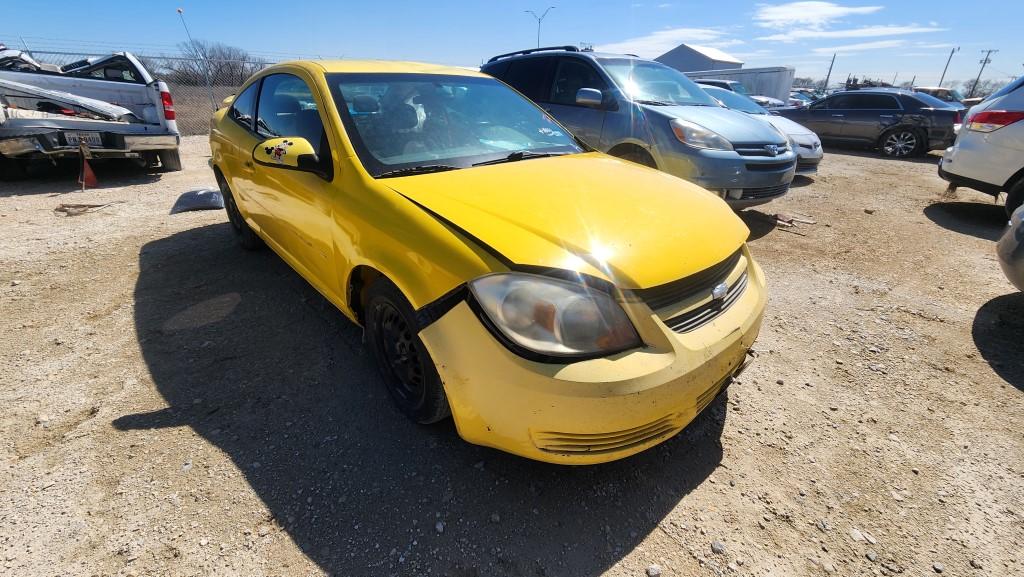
(422, 169)
(653, 102)
(517, 156)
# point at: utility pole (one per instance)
(957, 49)
(539, 20)
(983, 61)
(829, 75)
(894, 78)
(206, 61)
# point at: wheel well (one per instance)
(628, 147)
(358, 281)
(1014, 180)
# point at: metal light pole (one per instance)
(957, 49)
(206, 61)
(539, 20)
(984, 61)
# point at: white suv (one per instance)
(989, 152)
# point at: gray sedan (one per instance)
(1011, 250)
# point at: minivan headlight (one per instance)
(693, 134)
(551, 317)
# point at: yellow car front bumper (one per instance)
(596, 410)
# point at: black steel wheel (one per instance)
(900, 143)
(404, 363)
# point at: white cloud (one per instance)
(666, 5)
(935, 45)
(876, 45)
(807, 14)
(864, 32)
(661, 41)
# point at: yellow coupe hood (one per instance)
(585, 212)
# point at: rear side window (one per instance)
(872, 102)
(574, 74)
(244, 106)
(529, 76)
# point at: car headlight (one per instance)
(554, 318)
(697, 136)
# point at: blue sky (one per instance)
(875, 38)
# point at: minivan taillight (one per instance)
(165, 98)
(958, 118)
(990, 120)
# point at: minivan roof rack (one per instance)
(532, 50)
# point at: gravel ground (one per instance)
(173, 405)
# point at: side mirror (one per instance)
(291, 152)
(591, 97)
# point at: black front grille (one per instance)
(769, 166)
(679, 290)
(765, 191)
(704, 314)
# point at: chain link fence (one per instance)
(197, 85)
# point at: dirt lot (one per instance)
(173, 405)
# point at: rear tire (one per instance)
(1015, 197)
(901, 143)
(247, 237)
(170, 159)
(401, 358)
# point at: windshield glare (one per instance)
(645, 80)
(399, 121)
(735, 100)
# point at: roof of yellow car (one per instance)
(390, 66)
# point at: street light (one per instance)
(205, 60)
(539, 20)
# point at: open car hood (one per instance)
(590, 213)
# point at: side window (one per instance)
(529, 76)
(244, 105)
(287, 108)
(841, 102)
(874, 102)
(572, 75)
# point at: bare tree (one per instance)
(225, 65)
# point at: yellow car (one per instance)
(559, 303)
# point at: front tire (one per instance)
(901, 143)
(403, 361)
(246, 236)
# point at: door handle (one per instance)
(885, 116)
(837, 115)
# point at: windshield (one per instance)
(404, 121)
(739, 88)
(735, 100)
(931, 101)
(645, 80)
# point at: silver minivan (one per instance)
(654, 115)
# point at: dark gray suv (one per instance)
(654, 115)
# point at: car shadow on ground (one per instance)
(802, 180)
(46, 178)
(285, 389)
(864, 152)
(759, 223)
(998, 332)
(977, 219)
